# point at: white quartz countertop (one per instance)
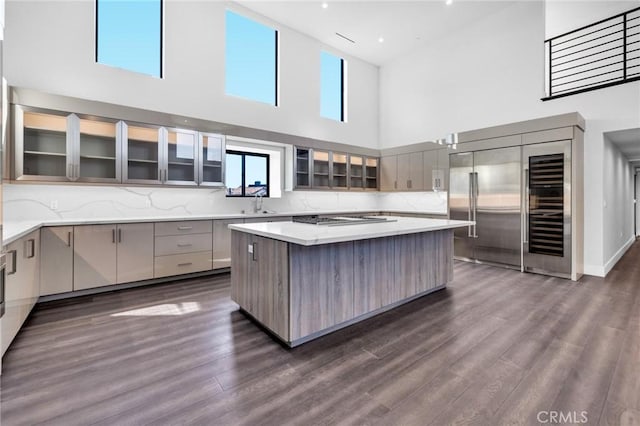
(309, 235)
(14, 230)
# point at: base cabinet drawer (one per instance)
(177, 264)
(179, 244)
(183, 227)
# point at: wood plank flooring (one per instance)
(495, 347)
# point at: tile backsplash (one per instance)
(42, 202)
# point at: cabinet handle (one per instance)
(69, 239)
(113, 236)
(395, 184)
(185, 264)
(14, 262)
(159, 175)
(31, 245)
(409, 184)
(185, 245)
(77, 175)
(184, 228)
(119, 235)
(254, 254)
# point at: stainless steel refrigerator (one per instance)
(486, 187)
(520, 199)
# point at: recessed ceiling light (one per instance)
(326, 5)
(448, 2)
(380, 39)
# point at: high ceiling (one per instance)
(404, 25)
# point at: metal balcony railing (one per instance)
(599, 55)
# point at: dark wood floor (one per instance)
(496, 347)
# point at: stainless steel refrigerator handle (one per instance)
(469, 234)
(475, 204)
(525, 227)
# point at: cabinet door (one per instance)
(135, 252)
(222, 243)
(429, 164)
(22, 284)
(356, 172)
(211, 161)
(410, 171)
(320, 169)
(141, 154)
(388, 173)
(338, 170)
(97, 151)
(56, 264)
(180, 165)
(371, 173)
(43, 146)
(94, 256)
(302, 168)
(443, 165)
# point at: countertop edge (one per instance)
(26, 227)
(345, 238)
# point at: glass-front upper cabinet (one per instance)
(44, 145)
(371, 173)
(211, 164)
(339, 171)
(97, 156)
(356, 171)
(141, 153)
(180, 167)
(303, 168)
(320, 169)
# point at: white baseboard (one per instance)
(594, 270)
(616, 257)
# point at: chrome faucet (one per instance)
(257, 203)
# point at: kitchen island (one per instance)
(301, 281)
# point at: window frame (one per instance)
(276, 97)
(96, 24)
(343, 104)
(245, 154)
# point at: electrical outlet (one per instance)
(54, 205)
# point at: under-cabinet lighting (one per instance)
(380, 39)
(325, 5)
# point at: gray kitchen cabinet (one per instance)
(388, 173)
(94, 256)
(436, 169)
(409, 172)
(58, 146)
(134, 252)
(112, 254)
(56, 264)
(222, 243)
(401, 172)
(22, 284)
(211, 161)
(183, 247)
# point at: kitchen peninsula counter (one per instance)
(302, 281)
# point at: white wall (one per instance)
(492, 73)
(565, 16)
(618, 204)
(50, 47)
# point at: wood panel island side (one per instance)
(302, 281)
